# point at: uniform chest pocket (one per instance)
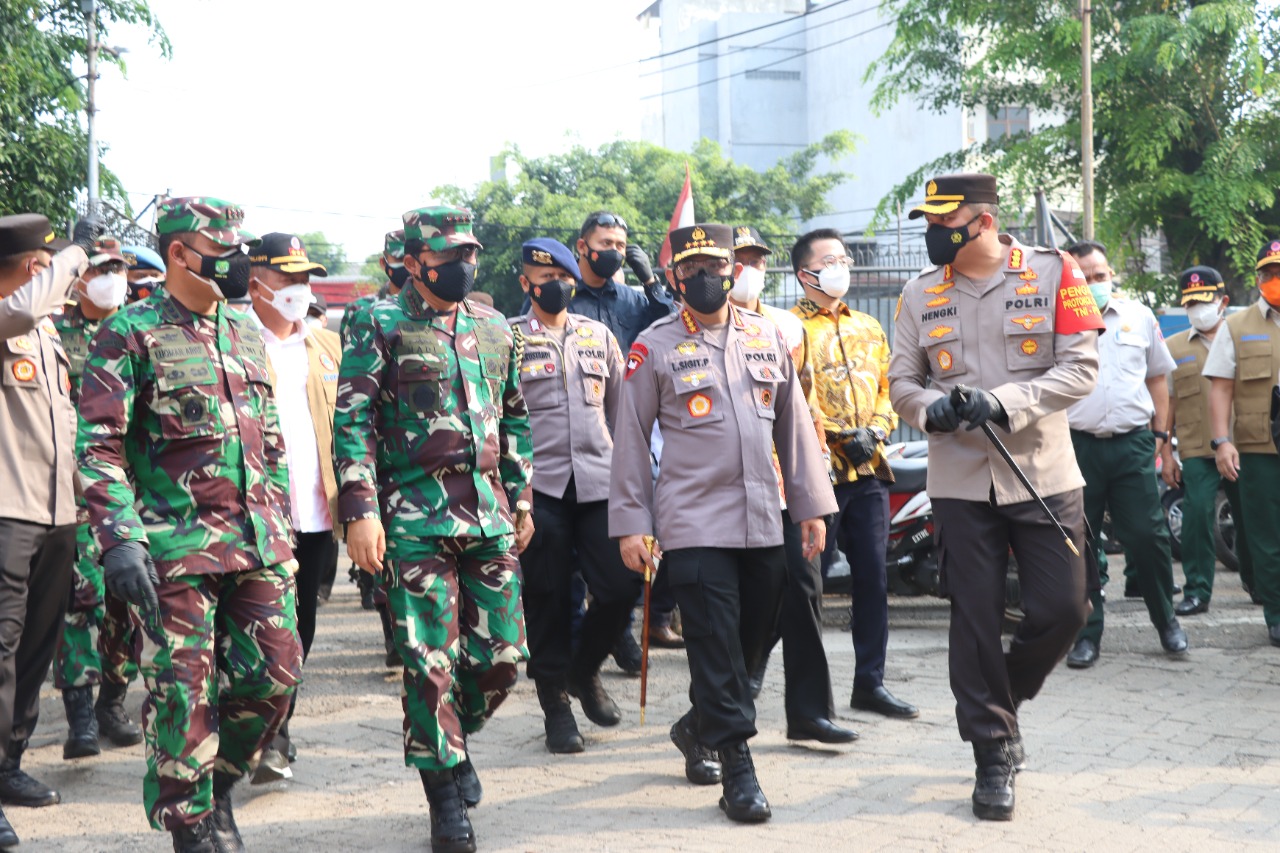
(1187, 382)
(595, 371)
(764, 381)
(541, 382)
(1131, 351)
(1028, 340)
(945, 348)
(1255, 357)
(189, 411)
(419, 378)
(21, 363)
(699, 401)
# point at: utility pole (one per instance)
(1086, 117)
(89, 7)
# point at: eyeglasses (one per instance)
(457, 253)
(607, 220)
(1265, 276)
(833, 261)
(688, 269)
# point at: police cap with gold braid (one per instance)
(945, 193)
(706, 238)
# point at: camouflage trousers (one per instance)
(98, 642)
(459, 626)
(221, 664)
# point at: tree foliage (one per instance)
(551, 196)
(323, 251)
(43, 145)
(1186, 127)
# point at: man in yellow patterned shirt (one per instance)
(847, 354)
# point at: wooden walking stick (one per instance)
(650, 543)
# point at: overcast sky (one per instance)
(339, 116)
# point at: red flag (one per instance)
(681, 217)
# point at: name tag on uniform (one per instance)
(181, 365)
(417, 339)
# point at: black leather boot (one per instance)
(464, 773)
(451, 830)
(82, 726)
(393, 658)
(993, 791)
(563, 736)
(221, 820)
(701, 764)
(19, 789)
(594, 699)
(197, 838)
(113, 719)
(8, 838)
(742, 800)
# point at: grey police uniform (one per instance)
(571, 379)
(1028, 336)
(37, 501)
(722, 397)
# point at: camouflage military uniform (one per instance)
(179, 448)
(432, 435)
(98, 640)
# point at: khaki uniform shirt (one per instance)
(723, 397)
(37, 419)
(572, 389)
(1247, 351)
(1131, 352)
(1029, 336)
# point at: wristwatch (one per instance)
(1218, 442)
(1163, 436)
(879, 433)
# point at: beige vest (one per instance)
(1257, 366)
(1191, 389)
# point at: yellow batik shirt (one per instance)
(848, 357)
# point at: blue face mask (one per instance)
(1101, 294)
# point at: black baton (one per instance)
(959, 396)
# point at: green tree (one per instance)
(321, 250)
(551, 196)
(372, 270)
(43, 147)
(1186, 126)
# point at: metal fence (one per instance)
(120, 226)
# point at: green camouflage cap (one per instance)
(393, 248)
(214, 218)
(440, 227)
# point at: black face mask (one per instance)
(705, 292)
(399, 277)
(604, 263)
(944, 243)
(450, 282)
(553, 296)
(228, 275)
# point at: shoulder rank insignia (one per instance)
(1015, 259)
(939, 331)
(940, 288)
(1027, 289)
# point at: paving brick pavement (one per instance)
(1140, 753)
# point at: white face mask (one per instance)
(292, 301)
(1204, 315)
(107, 291)
(833, 281)
(747, 286)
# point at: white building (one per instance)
(765, 78)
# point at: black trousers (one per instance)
(35, 585)
(974, 539)
(799, 625)
(728, 599)
(317, 555)
(568, 535)
(861, 530)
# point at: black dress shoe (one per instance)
(1190, 606)
(1273, 631)
(1132, 590)
(595, 701)
(882, 701)
(8, 838)
(820, 729)
(993, 790)
(1173, 638)
(701, 764)
(1083, 654)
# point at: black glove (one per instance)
(639, 263)
(941, 416)
(131, 576)
(978, 406)
(87, 232)
(860, 446)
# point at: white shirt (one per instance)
(1130, 352)
(291, 363)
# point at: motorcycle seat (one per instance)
(909, 475)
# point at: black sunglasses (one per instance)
(607, 220)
